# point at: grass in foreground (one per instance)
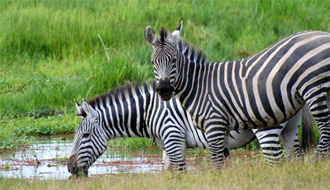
(239, 174)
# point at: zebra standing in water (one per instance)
(133, 111)
(262, 90)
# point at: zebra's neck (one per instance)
(122, 112)
(191, 63)
(189, 74)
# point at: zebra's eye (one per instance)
(85, 135)
(173, 60)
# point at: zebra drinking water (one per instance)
(262, 90)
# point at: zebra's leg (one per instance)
(289, 136)
(166, 161)
(216, 137)
(320, 112)
(175, 148)
(270, 144)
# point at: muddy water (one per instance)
(46, 159)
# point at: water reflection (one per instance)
(47, 159)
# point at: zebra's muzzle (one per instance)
(165, 89)
(74, 169)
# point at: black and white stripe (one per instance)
(263, 90)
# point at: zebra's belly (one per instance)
(264, 119)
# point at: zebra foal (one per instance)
(260, 91)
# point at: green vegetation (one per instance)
(132, 142)
(54, 52)
(14, 131)
(51, 52)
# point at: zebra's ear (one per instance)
(80, 110)
(176, 35)
(150, 36)
(90, 111)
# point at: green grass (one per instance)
(19, 131)
(132, 142)
(239, 174)
(51, 53)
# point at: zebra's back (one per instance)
(271, 86)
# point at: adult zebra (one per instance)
(134, 111)
(257, 92)
(269, 138)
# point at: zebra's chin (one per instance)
(80, 171)
(165, 95)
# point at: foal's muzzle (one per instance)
(165, 89)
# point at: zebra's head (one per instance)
(164, 58)
(89, 142)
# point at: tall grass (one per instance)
(50, 51)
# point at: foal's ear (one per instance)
(150, 36)
(176, 35)
(90, 111)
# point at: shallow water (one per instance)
(46, 159)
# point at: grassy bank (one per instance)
(255, 175)
(19, 131)
(52, 52)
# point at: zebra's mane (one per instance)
(185, 48)
(163, 34)
(121, 91)
(191, 53)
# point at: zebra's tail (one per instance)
(308, 137)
